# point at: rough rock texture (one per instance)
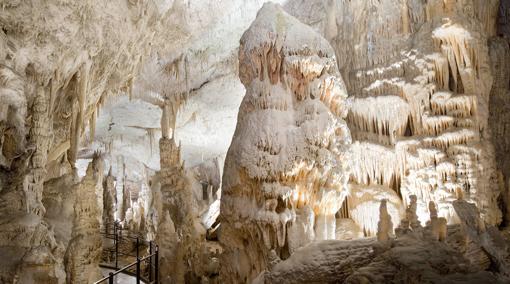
(414, 257)
(284, 170)
(85, 248)
(420, 77)
(499, 103)
(58, 62)
(177, 210)
(429, 85)
(109, 199)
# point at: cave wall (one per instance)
(420, 82)
(59, 61)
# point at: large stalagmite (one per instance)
(177, 234)
(285, 170)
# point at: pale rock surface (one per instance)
(437, 225)
(85, 247)
(109, 199)
(411, 258)
(420, 77)
(385, 226)
(59, 61)
(429, 85)
(285, 168)
(179, 211)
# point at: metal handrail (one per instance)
(137, 264)
(117, 238)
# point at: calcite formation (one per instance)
(412, 257)
(405, 180)
(59, 60)
(285, 171)
(437, 224)
(176, 210)
(109, 199)
(85, 248)
(420, 81)
(385, 226)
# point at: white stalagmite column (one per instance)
(285, 170)
(176, 208)
(385, 226)
(85, 248)
(165, 125)
(325, 227)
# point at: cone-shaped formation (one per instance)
(84, 252)
(176, 234)
(437, 224)
(109, 199)
(385, 226)
(284, 172)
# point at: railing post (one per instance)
(137, 270)
(156, 265)
(137, 244)
(116, 240)
(150, 261)
(110, 278)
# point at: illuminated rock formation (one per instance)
(410, 222)
(437, 225)
(109, 199)
(363, 205)
(59, 60)
(126, 200)
(171, 268)
(411, 257)
(420, 81)
(85, 248)
(177, 209)
(428, 111)
(285, 171)
(385, 226)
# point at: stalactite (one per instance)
(405, 18)
(92, 126)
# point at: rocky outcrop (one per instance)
(285, 170)
(413, 257)
(24, 233)
(499, 102)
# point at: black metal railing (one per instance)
(138, 270)
(144, 269)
